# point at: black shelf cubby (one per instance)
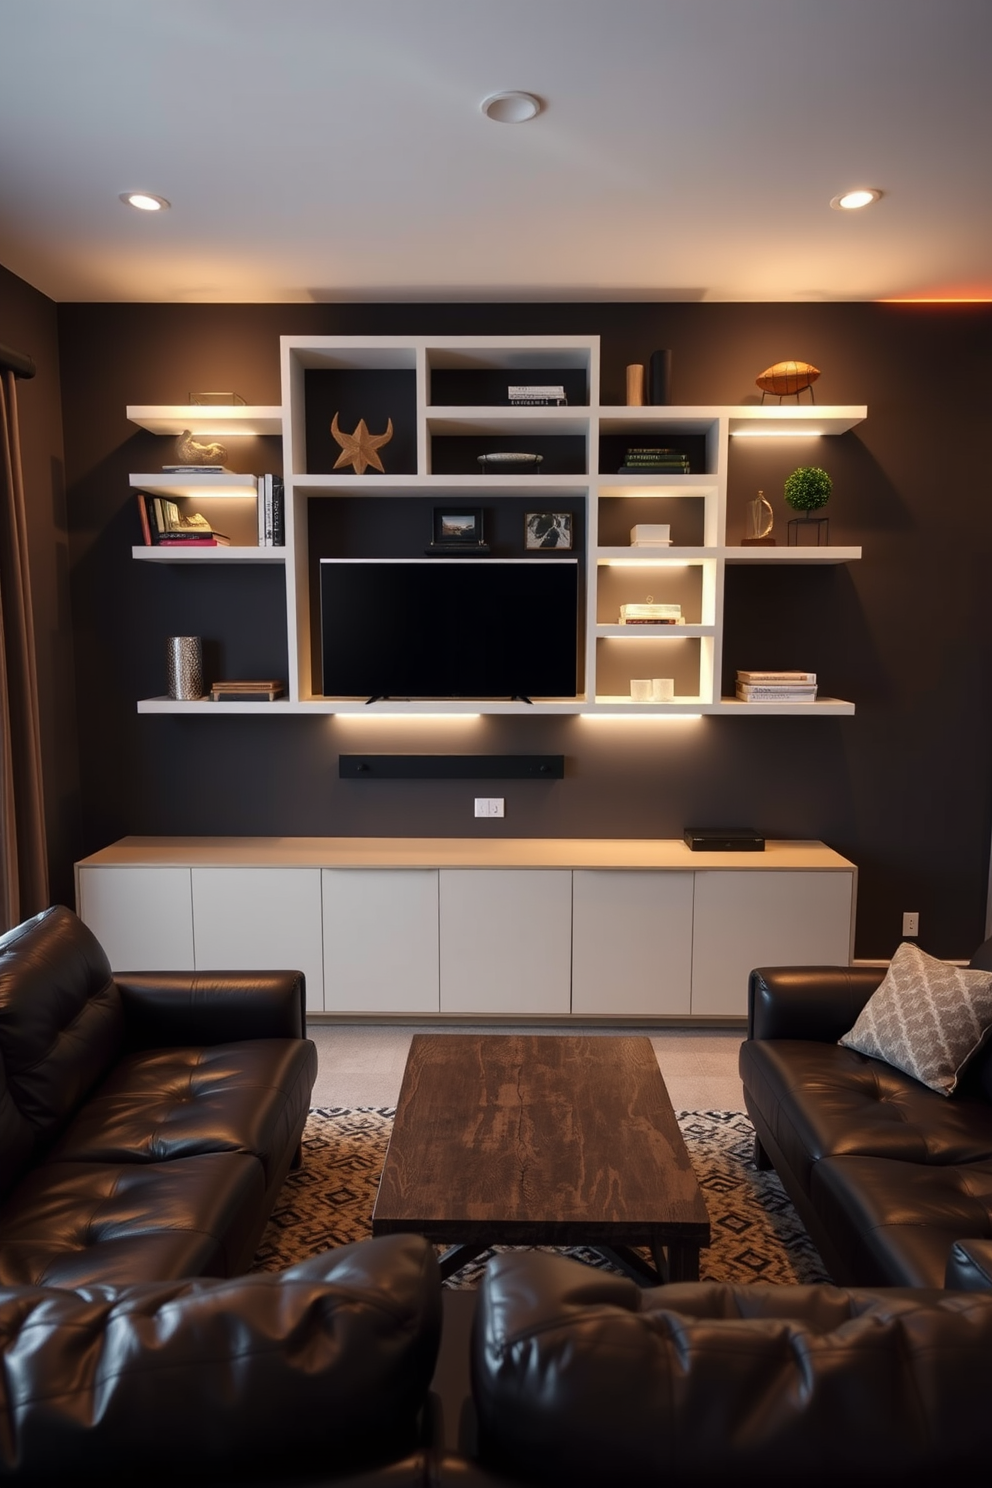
(375, 395)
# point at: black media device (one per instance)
(723, 839)
(461, 628)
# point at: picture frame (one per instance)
(548, 531)
(460, 526)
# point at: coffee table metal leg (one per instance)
(633, 1265)
(457, 1256)
(683, 1261)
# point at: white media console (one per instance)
(552, 928)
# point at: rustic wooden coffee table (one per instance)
(542, 1140)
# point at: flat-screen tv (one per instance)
(448, 627)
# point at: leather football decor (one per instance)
(788, 378)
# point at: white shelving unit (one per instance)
(693, 571)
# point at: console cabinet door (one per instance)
(143, 917)
(506, 940)
(765, 918)
(631, 942)
(260, 919)
(380, 940)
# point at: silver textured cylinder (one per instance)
(184, 657)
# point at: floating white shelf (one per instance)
(652, 632)
(821, 706)
(216, 421)
(220, 554)
(244, 487)
(356, 708)
(658, 557)
(527, 422)
(658, 487)
(792, 555)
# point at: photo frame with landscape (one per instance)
(458, 525)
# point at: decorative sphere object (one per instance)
(787, 378)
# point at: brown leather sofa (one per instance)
(147, 1121)
(885, 1173)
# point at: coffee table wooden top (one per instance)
(538, 1140)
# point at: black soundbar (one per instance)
(451, 766)
(723, 839)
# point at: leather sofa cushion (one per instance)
(61, 1022)
(161, 1104)
(969, 1266)
(584, 1379)
(820, 1100)
(894, 1223)
(320, 1369)
(68, 1224)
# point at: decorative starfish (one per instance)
(359, 449)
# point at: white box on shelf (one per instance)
(651, 534)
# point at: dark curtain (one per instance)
(23, 853)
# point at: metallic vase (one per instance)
(184, 657)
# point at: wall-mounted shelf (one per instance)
(824, 554)
(216, 421)
(243, 487)
(822, 705)
(441, 393)
(793, 420)
(205, 554)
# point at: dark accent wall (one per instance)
(28, 323)
(903, 788)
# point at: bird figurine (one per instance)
(359, 448)
(192, 452)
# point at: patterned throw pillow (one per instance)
(927, 1018)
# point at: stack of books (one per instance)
(245, 692)
(651, 614)
(776, 687)
(652, 459)
(536, 395)
(163, 525)
(271, 512)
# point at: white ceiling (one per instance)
(334, 149)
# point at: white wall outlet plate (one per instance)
(489, 805)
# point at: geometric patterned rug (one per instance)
(756, 1233)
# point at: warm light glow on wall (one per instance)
(639, 563)
(640, 717)
(405, 717)
(775, 434)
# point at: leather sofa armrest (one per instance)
(317, 1373)
(808, 1002)
(165, 1008)
(583, 1379)
(969, 1266)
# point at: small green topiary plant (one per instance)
(808, 488)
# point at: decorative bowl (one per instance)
(509, 457)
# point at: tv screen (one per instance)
(449, 627)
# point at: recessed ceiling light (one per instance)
(850, 201)
(510, 108)
(144, 201)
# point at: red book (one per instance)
(189, 542)
(146, 530)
